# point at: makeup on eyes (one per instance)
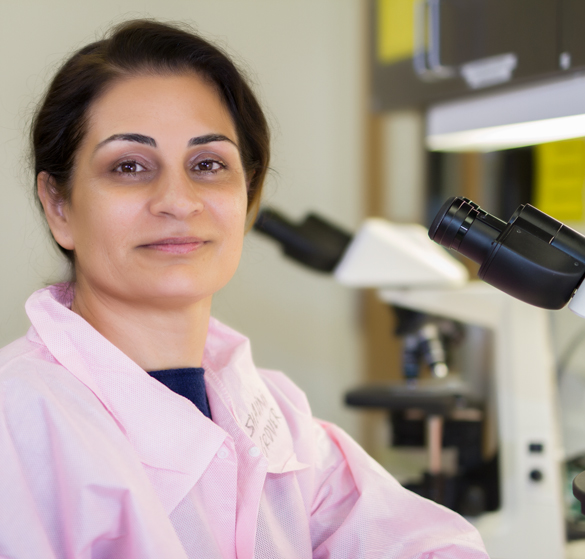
(208, 156)
(123, 167)
(142, 165)
(144, 157)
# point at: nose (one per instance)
(176, 195)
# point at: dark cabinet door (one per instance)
(471, 30)
(572, 43)
(460, 46)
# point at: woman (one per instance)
(134, 425)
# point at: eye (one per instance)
(208, 166)
(129, 168)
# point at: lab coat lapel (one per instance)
(228, 355)
(170, 435)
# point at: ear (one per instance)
(56, 210)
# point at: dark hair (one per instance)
(133, 48)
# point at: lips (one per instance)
(175, 245)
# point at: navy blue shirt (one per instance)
(187, 382)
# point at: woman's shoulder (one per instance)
(32, 379)
(45, 411)
(22, 359)
(26, 359)
(14, 350)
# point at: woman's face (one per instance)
(158, 205)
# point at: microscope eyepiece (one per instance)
(533, 257)
(464, 227)
(449, 219)
(314, 242)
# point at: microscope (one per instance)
(415, 275)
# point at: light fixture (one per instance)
(524, 116)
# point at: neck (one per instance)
(155, 338)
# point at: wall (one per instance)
(305, 58)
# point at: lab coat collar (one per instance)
(156, 421)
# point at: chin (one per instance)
(178, 291)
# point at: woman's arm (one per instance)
(356, 509)
(384, 519)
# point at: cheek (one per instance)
(239, 221)
(100, 222)
(231, 212)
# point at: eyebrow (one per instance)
(208, 138)
(138, 138)
(148, 141)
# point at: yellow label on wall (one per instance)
(559, 179)
(395, 26)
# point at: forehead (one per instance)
(160, 104)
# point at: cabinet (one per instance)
(458, 47)
(572, 40)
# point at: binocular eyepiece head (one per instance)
(532, 257)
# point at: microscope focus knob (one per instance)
(536, 475)
(579, 490)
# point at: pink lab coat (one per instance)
(99, 460)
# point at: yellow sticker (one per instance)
(559, 179)
(395, 26)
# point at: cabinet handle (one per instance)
(427, 30)
(434, 56)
